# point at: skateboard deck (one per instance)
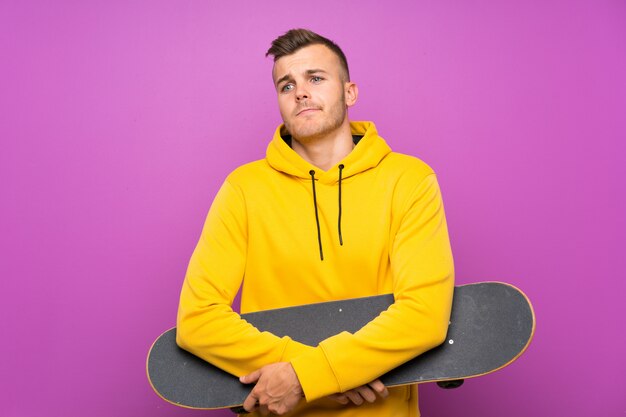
(491, 325)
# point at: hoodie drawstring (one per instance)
(317, 218)
(341, 166)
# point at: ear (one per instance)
(351, 92)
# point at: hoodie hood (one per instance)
(368, 153)
(369, 150)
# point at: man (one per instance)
(330, 213)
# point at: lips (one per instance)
(307, 110)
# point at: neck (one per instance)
(326, 151)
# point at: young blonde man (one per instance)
(330, 213)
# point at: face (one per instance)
(313, 94)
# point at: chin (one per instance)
(306, 135)
(302, 130)
(308, 130)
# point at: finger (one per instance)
(354, 397)
(340, 398)
(250, 403)
(250, 378)
(367, 393)
(379, 387)
(264, 410)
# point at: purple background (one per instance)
(120, 120)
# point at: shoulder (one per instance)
(410, 177)
(406, 167)
(415, 182)
(249, 173)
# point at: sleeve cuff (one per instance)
(294, 349)
(315, 374)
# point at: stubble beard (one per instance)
(309, 131)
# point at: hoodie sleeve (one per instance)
(423, 285)
(207, 326)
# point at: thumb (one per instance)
(250, 378)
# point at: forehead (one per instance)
(309, 57)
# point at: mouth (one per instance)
(307, 111)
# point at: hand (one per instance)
(277, 389)
(363, 393)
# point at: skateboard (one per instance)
(491, 325)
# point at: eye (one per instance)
(316, 79)
(286, 87)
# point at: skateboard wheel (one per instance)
(450, 384)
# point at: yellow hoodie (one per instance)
(379, 229)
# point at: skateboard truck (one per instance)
(455, 383)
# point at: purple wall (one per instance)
(119, 121)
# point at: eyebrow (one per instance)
(308, 72)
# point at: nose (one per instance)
(302, 93)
